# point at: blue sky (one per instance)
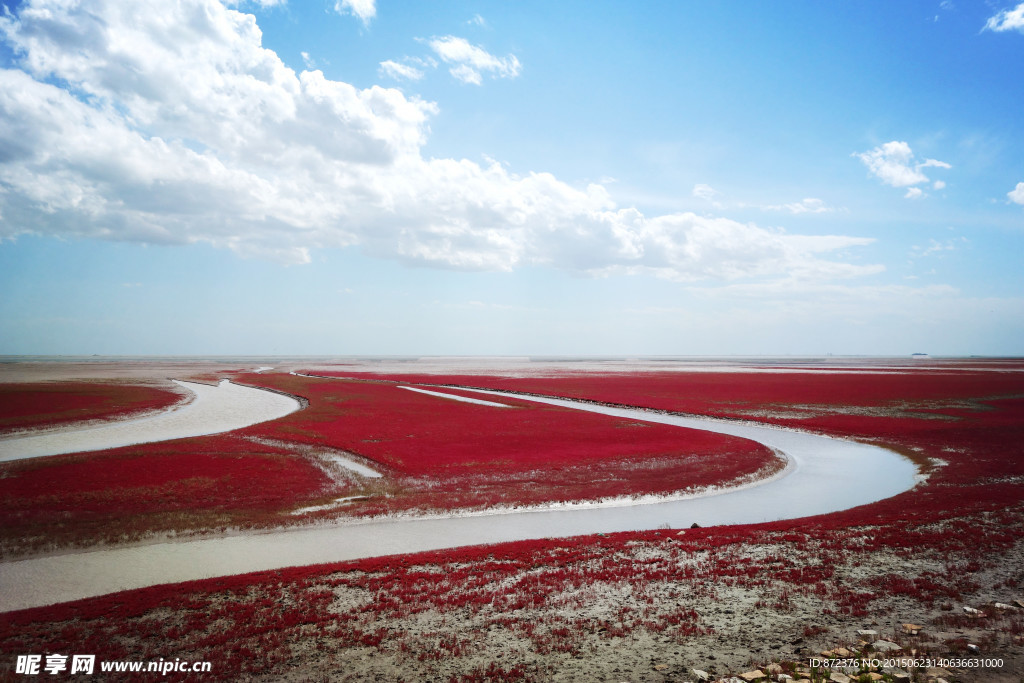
(511, 178)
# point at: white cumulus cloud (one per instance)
(1007, 20)
(468, 62)
(176, 126)
(1016, 195)
(894, 164)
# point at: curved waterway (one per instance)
(212, 410)
(823, 475)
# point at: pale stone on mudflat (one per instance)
(886, 646)
(839, 678)
(1003, 605)
(701, 675)
(914, 629)
(868, 635)
(754, 675)
(842, 652)
(875, 676)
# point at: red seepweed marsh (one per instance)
(644, 605)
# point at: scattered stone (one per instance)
(701, 675)
(914, 629)
(875, 676)
(936, 671)
(773, 668)
(660, 667)
(1003, 605)
(681, 533)
(695, 526)
(827, 654)
(886, 646)
(973, 649)
(839, 678)
(868, 635)
(898, 674)
(1019, 603)
(974, 612)
(754, 675)
(842, 652)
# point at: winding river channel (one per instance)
(823, 475)
(213, 409)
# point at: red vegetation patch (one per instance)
(26, 406)
(107, 495)
(451, 453)
(940, 543)
(735, 394)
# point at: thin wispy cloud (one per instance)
(397, 71)
(365, 10)
(469, 63)
(807, 205)
(936, 247)
(894, 164)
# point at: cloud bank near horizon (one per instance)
(171, 124)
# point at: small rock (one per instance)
(842, 652)
(754, 675)
(868, 635)
(695, 526)
(913, 629)
(875, 676)
(660, 667)
(936, 671)
(1003, 605)
(973, 649)
(886, 646)
(1019, 603)
(974, 612)
(839, 678)
(701, 675)
(773, 668)
(681, 533)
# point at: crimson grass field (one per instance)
(35, 405)
(647, 605)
